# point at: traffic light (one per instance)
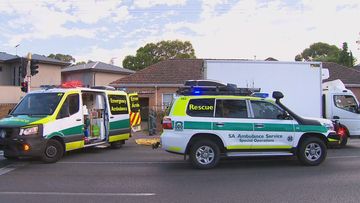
(34, 65)
(22, 68)
(24, 87)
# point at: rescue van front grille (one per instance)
(8, 132)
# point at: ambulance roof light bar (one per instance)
(209, 87)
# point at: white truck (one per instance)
(301, 82)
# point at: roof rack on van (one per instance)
(47, 87)
(209, 87)
(103, 88)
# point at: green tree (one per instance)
(63, 57)
(344, 57)
(319, 52)
(327, 53)
(152, 53)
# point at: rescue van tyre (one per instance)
(53, 152)
(204, 154)
(116, 144)
(10, 157)
(312, 151)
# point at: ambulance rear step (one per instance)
(247, 154)
(94, 144)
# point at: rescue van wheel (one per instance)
(116, 145)
(10, 157)
(204, 154)
(53, 152)
(312, 151)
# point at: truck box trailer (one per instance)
(302, 85)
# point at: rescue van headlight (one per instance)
(329, 126)
(29, 131)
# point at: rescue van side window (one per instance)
(70, 106)
(231, 109)
(201, 108)
(118, 104)
(265, 110)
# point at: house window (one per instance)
(166, 100)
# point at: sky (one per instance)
(105, 30)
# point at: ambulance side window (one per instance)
(231, 109)
(118, 104)
(70, 106)
(201, 108)
(265, 110)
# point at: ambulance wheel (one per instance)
(312, 151)
(204, 154)
(53, 152)
(116, 144)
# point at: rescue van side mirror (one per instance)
(277, 95)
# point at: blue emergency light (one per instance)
(261, 95)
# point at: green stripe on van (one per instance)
(73, 131)
(271, 127)
(234, 126)
(120, 124)
(197, 125)
(311, 128)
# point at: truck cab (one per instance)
(340, 104)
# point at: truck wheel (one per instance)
(312, 151)
(204, 154)
(116, 144)
(54, 150)
(344, 136)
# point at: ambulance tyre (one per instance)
(204, 154)
(116, 144)
(312, 151)
(53, 152)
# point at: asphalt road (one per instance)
(139, 174)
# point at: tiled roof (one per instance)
(98, 66)
(173, 71)
(5, 57)
(48, 60)
(345, 74)
(42, 59)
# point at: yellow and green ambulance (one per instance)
(208, 121)
(49, 122)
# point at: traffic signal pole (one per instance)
(28, 72)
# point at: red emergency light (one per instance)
(72, 84)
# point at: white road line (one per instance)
(121, 162)
(77, 194)
(342, 157)
(9, 168)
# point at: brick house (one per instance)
(158, 83)
(94, 73)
